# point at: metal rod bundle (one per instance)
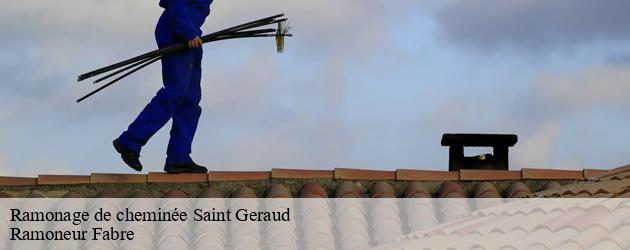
(246, 30)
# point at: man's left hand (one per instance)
(195, 43)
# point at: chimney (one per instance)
(498, 160)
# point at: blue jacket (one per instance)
(186, 16)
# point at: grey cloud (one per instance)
(559, 103)
(619, 59)
(533, 24)
(76, 19)
(576, 91)
(536, 146)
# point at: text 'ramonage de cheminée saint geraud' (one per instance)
(128, 215)
(77, 218)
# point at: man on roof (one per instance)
(179, 98)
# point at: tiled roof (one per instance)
(339, 182)
(462, 223)
(615, 183)
(537, 223)
(531, 224)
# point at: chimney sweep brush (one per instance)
(282, 31)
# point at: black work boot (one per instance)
(184, 168)
(131, 158)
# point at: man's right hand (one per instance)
(195, 43)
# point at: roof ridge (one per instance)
(614, 171)
(582, 186)
(463, 175)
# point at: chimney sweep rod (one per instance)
(256, 23)
(122, 70)
(117, 79)
(155, 59)
(242, 33)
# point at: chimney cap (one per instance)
(479, 140)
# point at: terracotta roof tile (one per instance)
(161, 177)
(426, 175)
(623, 194)
(488, 175)
(416, 190)
(517, 190)
(313, 190)
(623, 168)
(607, 244)
(586, 238)
(557, 223)
(62, 179)
(36, 195)
(593, 173)
(347, 189)
(17, 181)
(439, 229)
(486, 190)
(278, 191)
(453, 209)
(610, 184)
(244, 192)
(620, 236)
(141, 194)
(551, 185)
(611, 222)
(280, 173)
(239, 175)
(381, 189)
(551, 174)
(590, 218)
(351, 221)
(420, 213)
(451, 190)
(316, 219)
(362, 174)
(623, 171)
(118, 178)
(484, 202)
(616, 177)
(73, 194)
(385, 214)
(174, 193)
(210, 193)
(106, 193)
(477, 225)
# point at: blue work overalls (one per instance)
(181, 73)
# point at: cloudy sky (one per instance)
(362, 84)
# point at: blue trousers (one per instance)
(178, 100)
